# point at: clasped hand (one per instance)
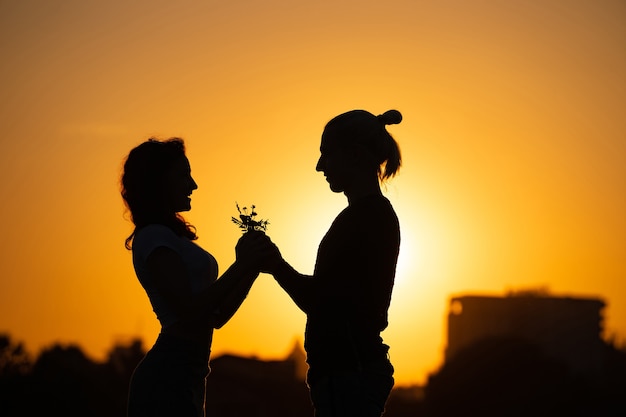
(257, 250)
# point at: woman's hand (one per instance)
(256, 249)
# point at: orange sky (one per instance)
(514, 144)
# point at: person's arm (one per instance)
(232, 288)
(226, 295)
(301, 288)
(216, 304)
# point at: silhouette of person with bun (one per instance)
(180, 280)
(347, 298)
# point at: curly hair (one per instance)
(142, 186)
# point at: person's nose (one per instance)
(320, 165)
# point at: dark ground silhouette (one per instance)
(497, 377)
(62, 380)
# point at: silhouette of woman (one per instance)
(180, 279)
(347, 298)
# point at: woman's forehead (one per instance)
(180, 164)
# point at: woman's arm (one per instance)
(226, 295)
(234, 285)
(216, 304)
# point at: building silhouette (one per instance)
(564, 328)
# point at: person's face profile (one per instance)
(178, 186)
(334, 162)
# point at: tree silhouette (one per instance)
(14, 360)
(64, 381)
(15, 367)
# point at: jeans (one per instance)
(361, 393)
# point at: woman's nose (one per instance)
(320, 166)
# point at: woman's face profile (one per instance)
(178, 186)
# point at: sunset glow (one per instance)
(513, 144)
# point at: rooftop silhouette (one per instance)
(566, 328)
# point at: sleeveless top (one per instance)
(202, 268)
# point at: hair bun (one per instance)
(390, 117)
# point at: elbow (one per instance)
(219, 323)
(304, 308)
(218, 320)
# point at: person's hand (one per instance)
(257, 249)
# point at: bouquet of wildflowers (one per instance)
(246, 220)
